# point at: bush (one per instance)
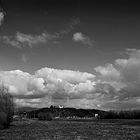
(3, 120)
(126, 114)
(6, 107)
(45, 116)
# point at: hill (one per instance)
(66, 112)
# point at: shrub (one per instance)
(6, 107)
(126, 114)
(3, 120)
(45, 116)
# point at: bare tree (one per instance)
(6, 107)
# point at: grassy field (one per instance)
(73, 130)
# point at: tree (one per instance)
(45, 116)
(6, 107)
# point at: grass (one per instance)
(72, 130)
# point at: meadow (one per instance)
(72, 130)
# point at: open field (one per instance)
(73, 130)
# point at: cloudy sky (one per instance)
(77, 53)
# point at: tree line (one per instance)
(6, 107)
(50, 113)
(122, 114)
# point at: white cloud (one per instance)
(130, 68)
(53, 84)
(125, 77)
(114, 86)
(22, 40)
(82, 103)
(79, 37)
(108, 72)
(66, 75)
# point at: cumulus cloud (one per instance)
(66, 75)
(124, 76)
(113, 86)
(108, 72)
(130, 68)
(54, 86)
(47, 83)
(80, 37)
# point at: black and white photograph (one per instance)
(69, 70)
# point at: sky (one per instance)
(76, 53)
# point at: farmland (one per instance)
(72, 130)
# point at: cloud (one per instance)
(66, 75)
(112, 86)
(79, 37)
(54, 85)
(108, 72)
(1, 17)
(130, 68)
(69, 27)
(123, 76)
(22, 40)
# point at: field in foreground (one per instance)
(73, 130)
